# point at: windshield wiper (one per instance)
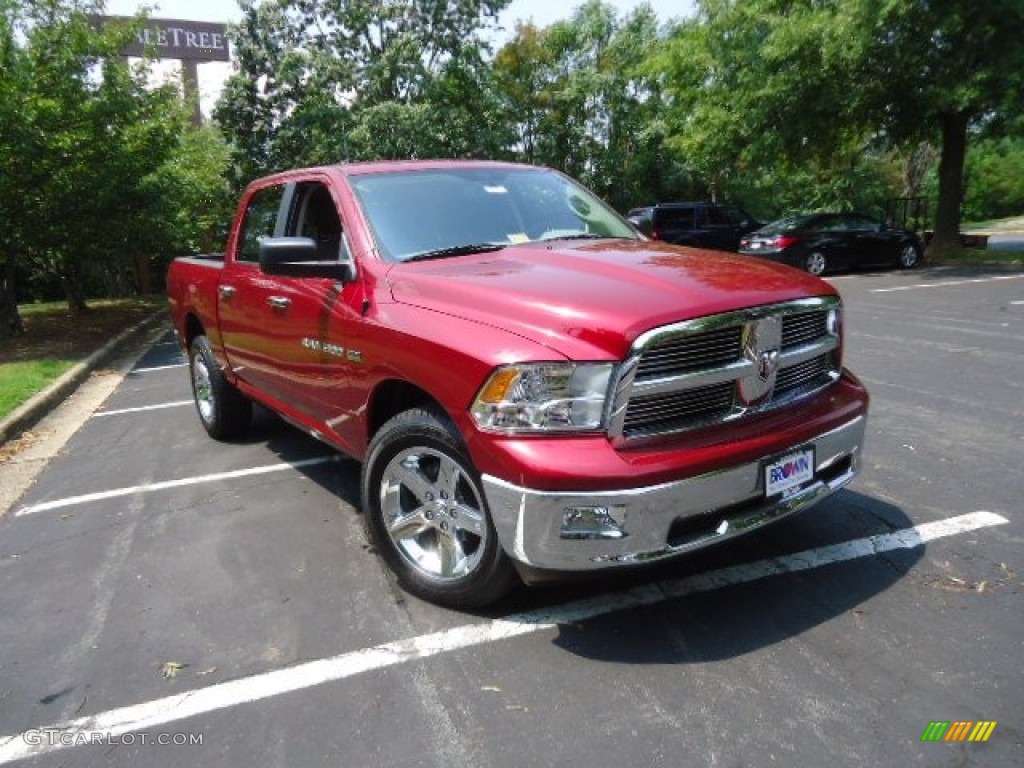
(455, 250)
(577, 236)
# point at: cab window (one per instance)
(314, 215)
(260, 221)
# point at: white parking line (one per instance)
(945, 283)
(140, 717)
(158, 368)
(175, 404)
(71, 501)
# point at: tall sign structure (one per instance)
(190, 42)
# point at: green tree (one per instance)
(995, 178)
(315, 79)
(758, 92)
(15, 141)
(827, 90)
(86, 134)
(937, 69)
(580, 100)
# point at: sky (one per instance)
(213, 74)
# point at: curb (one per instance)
(40, 404)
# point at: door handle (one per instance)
(226, 291)
(279, 302)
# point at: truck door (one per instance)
(311, 361)
(250, 331)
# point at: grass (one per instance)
(19, 381)
(55, 340)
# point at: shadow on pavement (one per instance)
(735, 620)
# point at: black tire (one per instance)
(426, 514)
(910, 256)
(223, 411)
(816, 262)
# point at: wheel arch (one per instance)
(193, 327)
(393, 396)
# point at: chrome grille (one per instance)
(691, 353)
(659, 413)
(719, 368)
(804, 327)
(801, 375)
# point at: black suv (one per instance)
(702, 225)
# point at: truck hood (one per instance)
(591, 299)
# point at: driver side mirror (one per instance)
(300, 257)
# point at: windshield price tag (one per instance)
(789, 472)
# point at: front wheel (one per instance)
(223, 411)
(909, 256)
(426, 513)
(816, 263)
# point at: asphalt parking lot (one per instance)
(167, 600)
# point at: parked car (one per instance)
(701, 225)
(826, 241)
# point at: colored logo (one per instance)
(958, 730)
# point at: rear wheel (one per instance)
(223, 411)
(816, 263)
(909, 256)
(426, 513)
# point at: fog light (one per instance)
(594, 523)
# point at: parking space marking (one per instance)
(175, 404)
(945, 283)
(141, 717)
(158, 368)
(114, 493)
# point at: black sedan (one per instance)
(822, 242)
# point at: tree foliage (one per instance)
(995, 178)
(828, 89)
(784, 105)
(82, 133)
(320, 81)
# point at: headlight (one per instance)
(544, 397)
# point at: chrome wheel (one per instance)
(433, 513)
(223, 411)
(816, 263)
(203, 388)
(908, 257)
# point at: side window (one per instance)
(862, 224)
(831, 224)
(715, 217)
(674, 218)
(260, 220)
(314, 215)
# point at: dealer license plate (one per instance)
(789, 472)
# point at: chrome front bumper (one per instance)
(661, 521)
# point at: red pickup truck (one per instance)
(532, 387)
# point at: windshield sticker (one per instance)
(495, 190)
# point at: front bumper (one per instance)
(666, 520)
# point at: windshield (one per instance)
(449, 211)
